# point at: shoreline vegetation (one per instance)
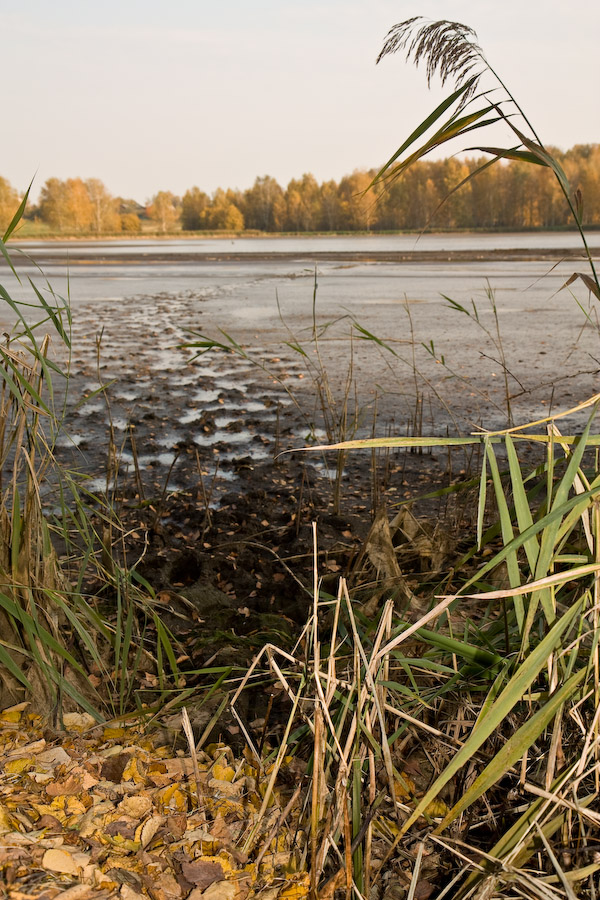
(510, 196)
(27, 234)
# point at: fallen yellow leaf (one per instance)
(12, 716)
(223, 773)
(298, 890)
(171, 798)
(21, 764)
(6, 821)
(404, 789)
(132, 772)
(112, 732)
(436, 809)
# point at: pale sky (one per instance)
(152, 95)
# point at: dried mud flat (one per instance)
(216, 514)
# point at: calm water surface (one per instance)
(334, 244)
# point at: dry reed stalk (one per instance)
(277, 827)
(316, 810)
(136, 463)
(189, 735)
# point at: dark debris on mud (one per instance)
(190, 455)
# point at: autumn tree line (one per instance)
(510, 195)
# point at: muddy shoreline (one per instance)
(188, 449)
(190, 455)
(75, 256)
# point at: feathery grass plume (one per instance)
(447, 48)
(450, 50)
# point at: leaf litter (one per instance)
(105, 811)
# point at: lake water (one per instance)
(260, 290)
(310, 244)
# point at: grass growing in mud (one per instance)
(444, 721)
(75, 631)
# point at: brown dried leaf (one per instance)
(202, 874)
(167, 887)
(331, 886)
(113, 768)
(122, 827)
(74, 721)
(70, 786)
(589, 283)
(53, 757)
(50, 822)
(137, 806)
(149, 829)
(128, 893)
(424, 889)
(220, 890)
(176, 826)
(77, 892)
(220, 830)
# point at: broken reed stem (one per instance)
(136, 464)
(276, 827)
(189, 734)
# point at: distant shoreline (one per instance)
(344, 256)
(93, 239)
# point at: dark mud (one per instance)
(76, 256)
(191, 454)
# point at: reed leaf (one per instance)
(512, 694)
(515, 746)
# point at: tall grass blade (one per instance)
(516, 745)
(513, 693)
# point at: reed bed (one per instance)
(62, 646)
(449, 726)
(489, 695)
(497, 702)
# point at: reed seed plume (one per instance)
(448, 49)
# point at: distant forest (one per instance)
(507, 195)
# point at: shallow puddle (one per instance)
(206, 395)
(118, 422)
(89, 409)
(70, 440)
(220, 436)
(128, 395)
(169, 440)
(192, 415)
